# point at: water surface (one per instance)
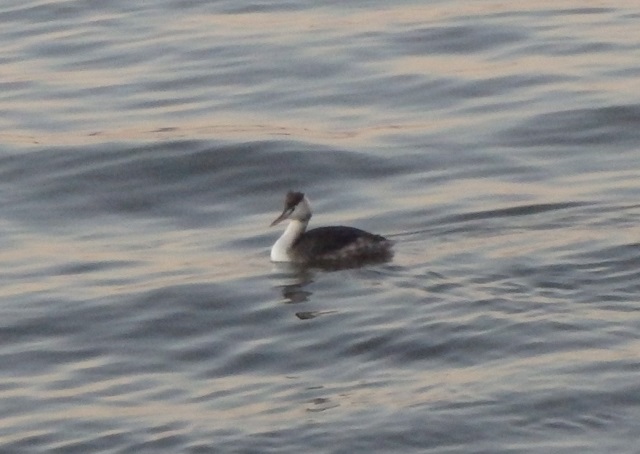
(145, 148)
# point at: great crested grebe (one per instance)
(335, 245)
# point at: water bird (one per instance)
(334, 246)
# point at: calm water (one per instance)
(146, 147)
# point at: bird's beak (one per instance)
(285, 214)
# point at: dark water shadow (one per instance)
(481, 215)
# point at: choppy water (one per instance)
(146, 146)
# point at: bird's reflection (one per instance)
(294, 280)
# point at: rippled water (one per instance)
(146, 147)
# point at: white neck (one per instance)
(280, 250)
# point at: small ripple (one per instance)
(600, 125)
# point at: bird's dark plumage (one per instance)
(340, 244)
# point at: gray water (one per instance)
(146, 147)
